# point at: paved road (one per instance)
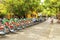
(42, 31)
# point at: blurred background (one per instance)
(29, 8)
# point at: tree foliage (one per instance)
(51, 7)
(22, 7)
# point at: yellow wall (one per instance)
(29, 16)
(9, 15)
(33, 13)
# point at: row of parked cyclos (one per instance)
(11, 26)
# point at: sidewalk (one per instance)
(41, 31)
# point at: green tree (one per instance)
(51, 7)
(21, 7)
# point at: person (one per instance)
(34, 19)
(49, 20)
(52, 20)
(40, 19)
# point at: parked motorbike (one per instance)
(9, 27)
(22, 23)
(2, 30)
(18, 26)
